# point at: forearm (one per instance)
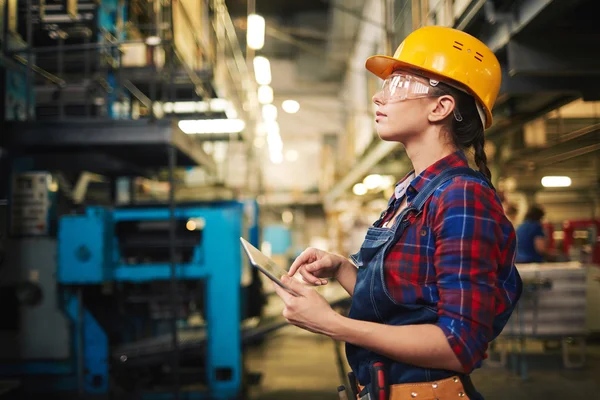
(346, 276)
(420, 345)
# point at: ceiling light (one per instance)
(153, 40)
(373, 181)
(360, 189)
(290, 106)
(190, 225)
(556, 181)
(291, 155)
(272, 128)
(259, 142)
(287, 216)
(265, 94)
(262, 70)
(276, 157)
(255, 35)
(212, 126)
(388, 182)
(269, 112)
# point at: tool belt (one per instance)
(446, 389)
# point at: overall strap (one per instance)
(439, 180)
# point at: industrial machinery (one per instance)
(575, 240)
(555, 307)
(100, 298)
(85, 300)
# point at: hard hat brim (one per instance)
(383, 66)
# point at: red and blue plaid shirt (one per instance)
(458, 256)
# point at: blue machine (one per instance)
(120, 256)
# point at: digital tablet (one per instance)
(265, 265)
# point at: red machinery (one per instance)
(579, 234)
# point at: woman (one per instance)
(434, 281)
(531, 240)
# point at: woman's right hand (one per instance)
(314, 265)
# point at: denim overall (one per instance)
(372, 301)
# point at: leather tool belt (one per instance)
(446, 389)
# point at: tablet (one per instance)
(265, 265)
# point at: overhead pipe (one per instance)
(492, 16)
(388, 18)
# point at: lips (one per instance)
(380, 114)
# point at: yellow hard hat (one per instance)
(450, 56)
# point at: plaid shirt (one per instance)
(457, 256)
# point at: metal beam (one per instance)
(565, 147)
(465, 20)
(526, 11)
(511, 121)
(137, 142)
(552, 56)
(531, 85)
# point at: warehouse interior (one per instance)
(140, 139)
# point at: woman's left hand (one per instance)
(309, 311)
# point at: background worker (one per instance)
(434, 280)
(531, 239)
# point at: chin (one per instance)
(388, 136)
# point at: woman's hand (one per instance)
(309, 311)
(314, 265)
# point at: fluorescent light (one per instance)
(187, 107)
(255, 35)
(360, 189)
(265, 94)
(276, 157)
(388, 182)
(259, 142)
(373, 181)
(153, 40)
(291, 155)
(262, 70)
(269, 112)
(274, 142)
(212, 126)
(261, 129)
(556, 181)
(272, 128)
(287, 216)
(290, 106)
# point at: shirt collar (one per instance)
(454, 160)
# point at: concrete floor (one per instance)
(300, 365)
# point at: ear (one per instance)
(441, 108)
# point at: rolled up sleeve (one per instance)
(466, 266)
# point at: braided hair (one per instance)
(469, 131)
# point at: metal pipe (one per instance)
(60, 68)
(249, 51)
(388, 18)
(172, 156)
(79, 47)
(145, 100)
(43, 73)
(86, 74)
(80, 355)
(29, 77)
(569, 154)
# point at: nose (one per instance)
(378, 98)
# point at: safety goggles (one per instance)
(401, 86)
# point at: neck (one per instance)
(426, 150)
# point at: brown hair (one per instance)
(468, 132)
